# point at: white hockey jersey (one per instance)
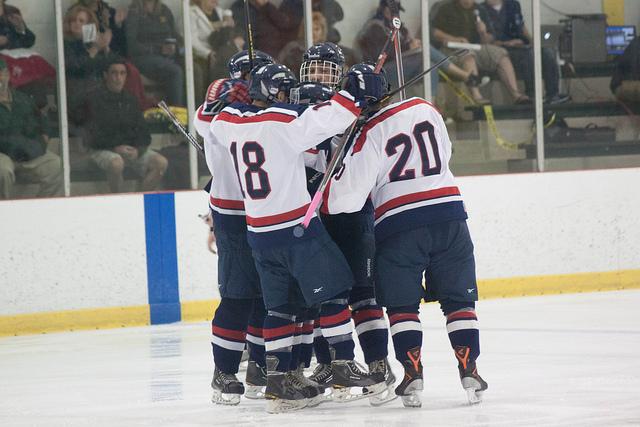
(225, 194)
(400, 158)
(268, 146)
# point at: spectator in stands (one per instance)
(119, 137)
(291, 54)
(23, 143)
(153, 43)
(214, 41)
(625, 83)
(506, 28)
(452, 70)
(85, 50)
(373, 35)
(330, 9)
(457, 21)
(14, 33)
(110, 20)
(271, 27)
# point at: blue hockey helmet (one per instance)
(239, 64)
(377, 85)
(268, 80)
(310, 93)
(323, 63)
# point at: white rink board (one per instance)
(197, 267)
(74, 253)
(554, 223)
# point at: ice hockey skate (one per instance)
(256, 381)
(314, 390)
(226, 388)
(285, 392)
(472, 383)
(412, 384)
(348, 377)
(388, 394)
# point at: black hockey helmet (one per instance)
(310, 93)
(323, 63)
(268, 80)
(239, 64)
(377, 84)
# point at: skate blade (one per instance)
(387, 395)
(411, 398)
(472, 386)
(279, 406)
(220, 398)
(317, 400)
(254, 392)
(342, 394)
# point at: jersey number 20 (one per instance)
(253, 158)
(403, 141)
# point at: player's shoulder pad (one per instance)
(296, 108)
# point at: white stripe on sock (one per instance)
(462, 324)
(408, 325)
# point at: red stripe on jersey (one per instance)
(462, 315)
(382, 117)
(416, 197)
(395, 318)
(256, 332)
(346, 103)
(307, 328)
(312, 151)
(264, 221)
(336, 319)
(271, 333)
(226, 204)
(362, 315)
(204, 117)
(266, 117)
(229, 333)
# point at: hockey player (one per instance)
(400, 157)
(353, 233)
(266, 141)
(241, 312)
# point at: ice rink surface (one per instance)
(569, 360)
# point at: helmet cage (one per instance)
(320, 71)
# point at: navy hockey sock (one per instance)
(462, 327)
(320, 345)
(228, 329)
(255, 339)
(295, 349)
(406, 330)
(335, 321)
(306, 336)
(279, 328)
(371, 327)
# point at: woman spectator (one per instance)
(14, 33)
(213, 42)
(85, 50)
(152, 43)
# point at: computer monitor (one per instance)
(618, 38)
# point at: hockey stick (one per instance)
(298, 231)
(395, 11)
(337, 155)
(247, 24)
(192, 140)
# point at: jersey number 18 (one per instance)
(253, 158)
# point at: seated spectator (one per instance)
(111, 26)
(375, 32)
(330, 9)
(118, 134)
(214, 41)
(271, 27)
(85, 50)
(152, 43)
(456, 21)
(625, 83)
(506, 28)
(29, 70)
(452, 70)
(23, 143)
(291, 54)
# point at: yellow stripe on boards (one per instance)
(72, 320)
(198, 311)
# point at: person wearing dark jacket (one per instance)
(330, 9)
(153, 41)
(625, 83)
(14, 33)
(118, 134)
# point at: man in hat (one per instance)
(23, 143)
